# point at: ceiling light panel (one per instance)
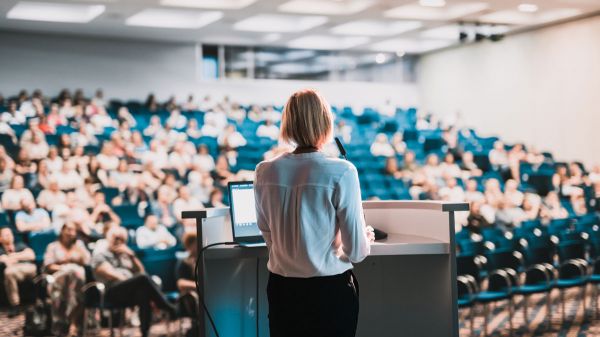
(55, 12)
(325, 7)
(173, 18)
(515, 17)
(277, 23)
(432, 3)
(375, 28)
(327, 42)
(210, 4)
(448, 12)
(414, 46)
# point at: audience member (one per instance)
(31, 219)
(122, 272)
(154, 235)
(65, 260)
(381, 147)
(18, 262)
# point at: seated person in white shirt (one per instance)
(449, 166)
(31, 219)
(12, 115)
(381, 147)
(37, 148)
(217, 118)
(157, 155)
(344, 130)
(230, 140)
(153, 127)
(210, 129)
(51, 196)
(268, 130)
(398, 143)
(154, 235)
(68, 178)
(452, 192)
(176, 120)
(13, 197)
(203, 160)
(237, 113)
(185, 202)
(472, 194)
(101, 120)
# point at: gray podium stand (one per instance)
(407, 284)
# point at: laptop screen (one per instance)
(243, 210)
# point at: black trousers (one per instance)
(313, 307)
(139, 291)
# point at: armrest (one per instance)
(576, 263)
(504, 276)
(99, 287)
(468, 284)
(471, 279)
(540, 267)
(43, 277)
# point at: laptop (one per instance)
(243, 214)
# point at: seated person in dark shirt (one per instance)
(475, 221)
(17, 260)
(126, 282)
(185, 272)
(186, 283)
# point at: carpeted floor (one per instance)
(576, 323)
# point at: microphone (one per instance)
(340, 147)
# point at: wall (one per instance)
(541, 87)
(132, 69)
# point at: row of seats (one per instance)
(534, 259)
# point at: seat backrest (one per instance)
(466, 265)
(571, 250)
(502, 259)
(535, 255)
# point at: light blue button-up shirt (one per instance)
(310, 213)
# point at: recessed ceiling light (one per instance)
(528, 8)
(279, 23)
(55, 12)
(327, 42)
(375, 28)
(212, 4)
(325, 7)
(432, 3)
(400, 53)
(380, 58)
(173, 18)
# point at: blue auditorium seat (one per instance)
(161, 263)
(129, 216)
(39, 241)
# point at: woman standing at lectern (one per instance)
(310, 214)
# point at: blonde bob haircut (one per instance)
(307, 120)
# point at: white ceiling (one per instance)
(373, 25)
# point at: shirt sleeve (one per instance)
(350, 217)
(49, 255)
(261, 219)
(170, 238)
(98, 259)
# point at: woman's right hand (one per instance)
(370, 234)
